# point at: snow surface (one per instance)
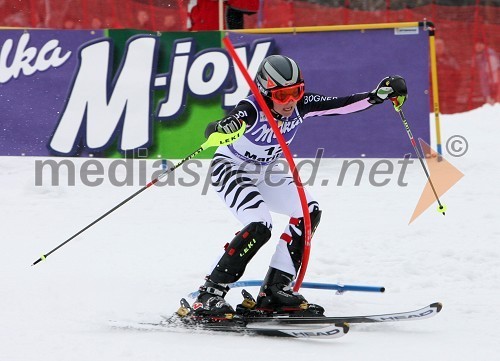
(136, 264)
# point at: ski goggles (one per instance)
(284, 95)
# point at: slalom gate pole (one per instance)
(214, 140)
(288, 156)
(441, 207)
(435, 88)
(312, 285)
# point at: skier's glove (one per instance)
(228, 125)
(393, 88)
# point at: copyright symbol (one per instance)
(457, 146)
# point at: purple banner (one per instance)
(341, 63)
(36, 71)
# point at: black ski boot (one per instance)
(277, 295)
(211, 302)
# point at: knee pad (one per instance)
(239, 252)
(295, 243)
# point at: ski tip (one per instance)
(438, 306)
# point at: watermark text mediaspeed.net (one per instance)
(131, 172)
(140, 172)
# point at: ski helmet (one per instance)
(277, 71)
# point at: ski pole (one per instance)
(313, 285)
(214, 140)
(441, 207)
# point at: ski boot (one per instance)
(211, 302)
(277, 296)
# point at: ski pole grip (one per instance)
(217, 139)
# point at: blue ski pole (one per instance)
(313, 285)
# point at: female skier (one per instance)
(241, 174)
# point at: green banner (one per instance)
(174, 138)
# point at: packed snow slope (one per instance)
(135, 264)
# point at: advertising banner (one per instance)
(130, 93)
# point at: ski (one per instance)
(266, 326)
(425, 312)
(314, 314)
(238, 324)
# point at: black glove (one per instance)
(391, 87)
(228, 125)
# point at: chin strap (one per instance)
(276, 115)
(269, 104)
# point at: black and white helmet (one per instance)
(277, 71)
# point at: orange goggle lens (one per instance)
(284, 95)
